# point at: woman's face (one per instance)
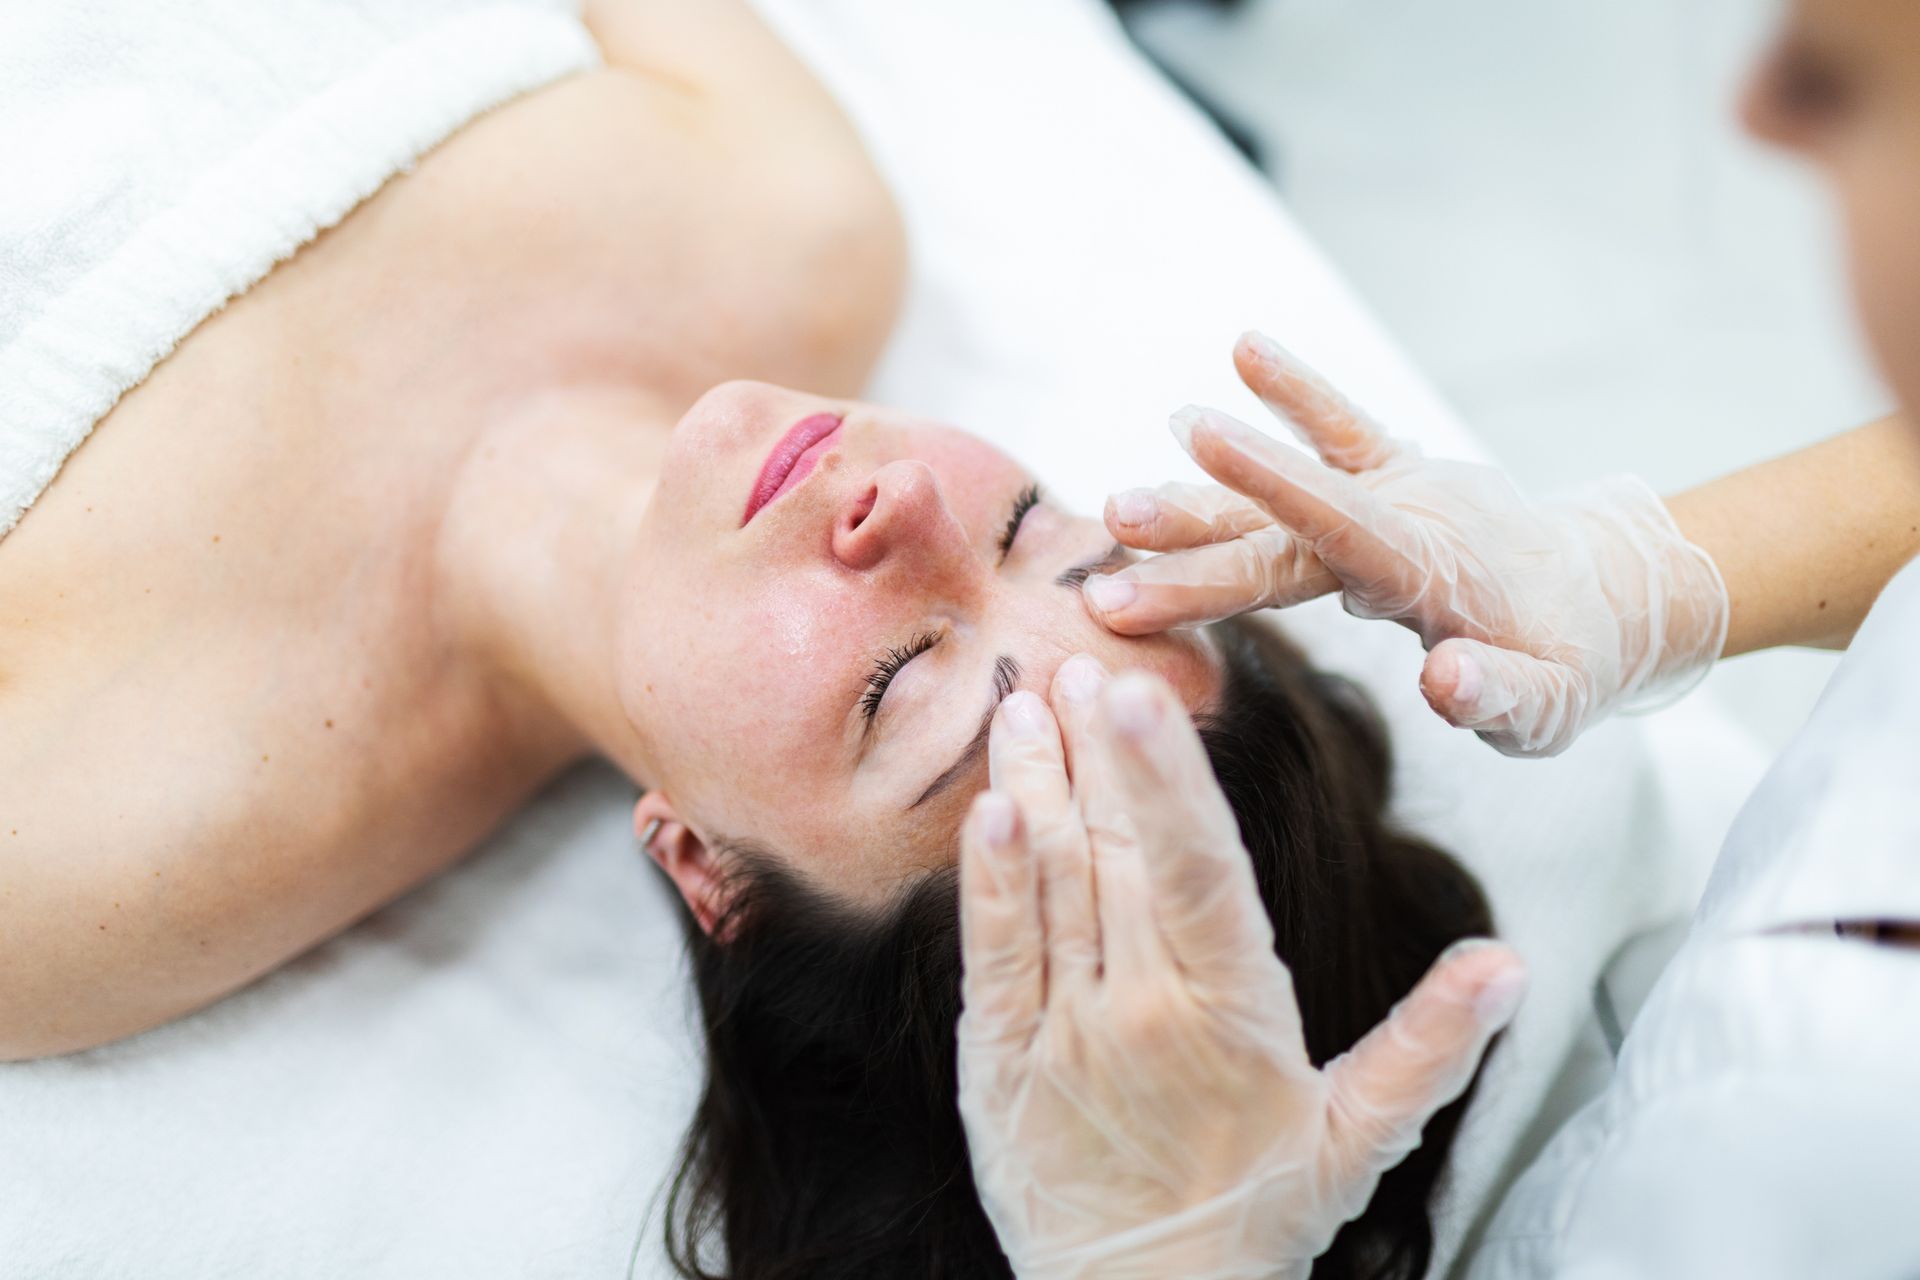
(811, 671)
(1842, 86)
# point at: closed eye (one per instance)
(887, 667)
(1028, 499)
(889, 664)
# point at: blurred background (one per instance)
(1552, 206)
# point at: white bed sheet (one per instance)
(488, 1078)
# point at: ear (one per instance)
(683, 855)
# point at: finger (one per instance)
(1206, 903)
(1176, 516)
(1382, 1092)
(1002, 942)
(1521, 705)
(1343, 435)
(1267, 569)
(1357, 536)
(1129, 944)
(1026, 762)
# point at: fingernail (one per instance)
(1500, 999)
(1025, 714)
(1466, 681)
(996, 820)
(1134, 507)
(1079, 679)
(1495, 1003)
(1181, 424)
(1224, 426)
(1109, 594)
(1133, 708)
(1263, 347)
(1464, 946)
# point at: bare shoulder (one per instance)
(227, 725)
(704, 151)
(701, 47)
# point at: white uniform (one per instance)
(1764, 1118)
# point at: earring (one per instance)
(648, 832)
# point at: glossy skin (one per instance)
(897, 533)
(1842, 88)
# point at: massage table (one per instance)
(489, 1078)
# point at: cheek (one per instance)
(747, 691)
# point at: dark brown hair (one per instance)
(828, 1144)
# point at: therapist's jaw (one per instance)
(812, 682)
(1842, 87)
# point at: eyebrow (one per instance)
(1006, 675)
(1076, 577)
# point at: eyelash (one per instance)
(1077, 578)
(1029, 499)
(888, 667)
(890, 662)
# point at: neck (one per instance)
(543, 518)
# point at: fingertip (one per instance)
(1023, 741)
(1181, 422)
(1078, 681)
(1486, 974)
(1108, 594)
(1257, 347)
(1500, 998)
(1451, 682)
(1134, 623)
(1131, 509)
(1023, 714)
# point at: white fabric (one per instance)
(487, 1078)
(1762, 1119)
(164, 155)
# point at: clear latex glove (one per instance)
(1136, 1090)
(1539, 618)
(1222, 555)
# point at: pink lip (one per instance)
(795, 455)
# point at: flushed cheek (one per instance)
(783, 675)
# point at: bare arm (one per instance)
(1806, 542)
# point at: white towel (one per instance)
(163, 155)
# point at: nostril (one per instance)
(863, 508)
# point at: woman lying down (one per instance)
(497, 473)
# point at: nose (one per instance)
(900, 521)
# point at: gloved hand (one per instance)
(1136, 1090)
(1539, 618)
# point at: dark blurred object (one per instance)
(1232, 129)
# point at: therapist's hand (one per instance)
(1539, 618)
(1136, 1090)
